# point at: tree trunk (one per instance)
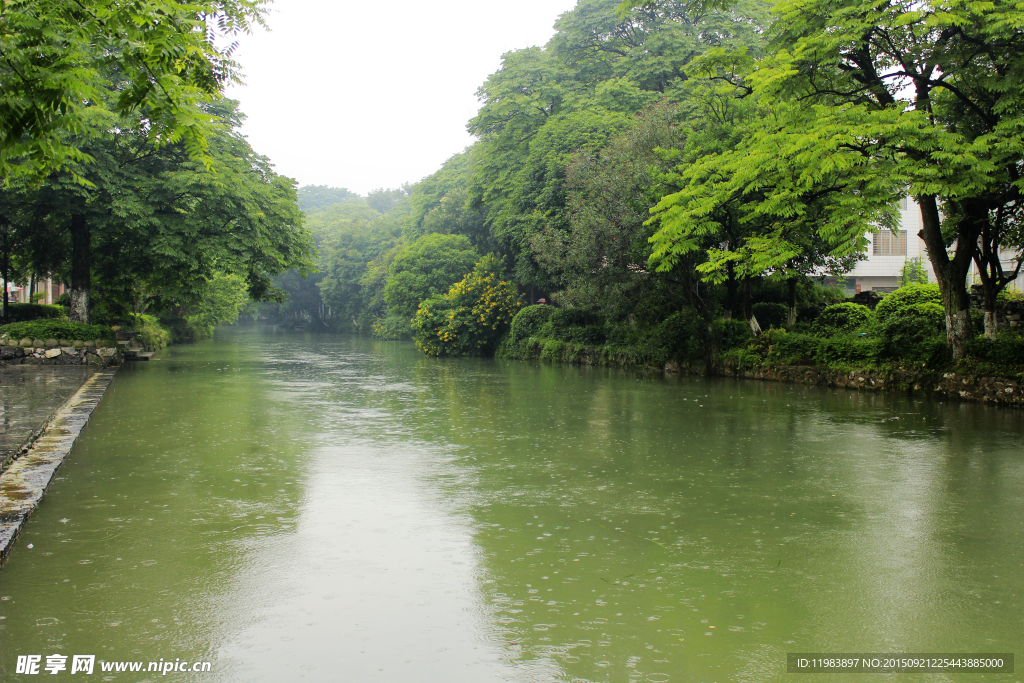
(80, 270)
(748, 311)
(791, 284)
(6, 263)
(951, 273)
(731, 300)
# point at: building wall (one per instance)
(882, 272)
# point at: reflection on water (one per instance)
(323, 509)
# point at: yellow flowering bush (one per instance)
(470, 319)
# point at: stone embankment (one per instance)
(59, 352)
(945, 385)
(923, 382)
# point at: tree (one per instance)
(154, 224)
(427, 267)
(61, 58)
(471, 317)
(602, 258)
(927, 95)
(748, 204)
(545, 105)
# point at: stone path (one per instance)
(23, 483)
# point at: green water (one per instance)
(322, 508)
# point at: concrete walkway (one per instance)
(29, 397)
(45, 409)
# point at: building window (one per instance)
(904, 203)
(885, 243)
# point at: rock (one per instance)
(69, 350)
(52, 343)
(64, 342)
(10, 353)
(78, 344)
(52, 353)
(89, 344)
(38, 343)
(25, 342)
(106, 352)
(98, 343)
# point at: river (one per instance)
(317, 508)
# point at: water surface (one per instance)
(323, 508)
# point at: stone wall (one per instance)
(945, 385)
(59, 352)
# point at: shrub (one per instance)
(770, 315)
(19, 313)
(733, 334)
(907, 328)
(682, 336)
(528, 322)
(839, 318)
(1006, 349)
(790, 349)
(849, 349)
(591, 335)
(151, 335)
(562, 321)
(471, 317)
(906, 296)
(57, 329)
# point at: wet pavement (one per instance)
(24, 482)
(29, 396)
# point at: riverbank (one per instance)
(920, 381)
(41, 440)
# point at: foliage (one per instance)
(849, 349)
(770, 314)
(576, 325)
(223, 300)
(392, 326)
(471, 317)
(683, 336)
(842, 318)
(152, 335)
(904, 297)
(905, 328)
(17, 313)
(528, 322)
(914, 272)
(317, 197)
(602, 256)
(427, 267)
(732, 334)
(163, 58)
(57, 329)
(1007, 350)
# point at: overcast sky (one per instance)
(363, 96)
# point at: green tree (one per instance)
(425, 268)
(907, 95)
(154, 224)
(60, 59)
(471, 317)
(602, 258)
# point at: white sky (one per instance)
(361, 95)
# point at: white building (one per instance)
(887, 254)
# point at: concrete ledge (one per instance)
(23, 483)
